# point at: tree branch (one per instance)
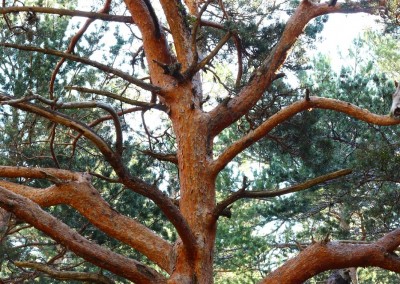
(322, 256)
(65, 275)
(116, 97)
(38, 173)
(172, 158)
(240, 194)
(288, 112)
(238, 44)
(87, 104)
(198, 66)
(66, 12)
(100, 120)
(155, 47)
(66, 121)
(88, 202)
(179, 26)
(100, 66)
(225, 114)
(135, 184)
(31, 213)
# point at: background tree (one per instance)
(146, 145)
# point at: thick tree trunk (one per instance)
(197, 187)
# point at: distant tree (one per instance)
(143, 145)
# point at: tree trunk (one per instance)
(197, 187)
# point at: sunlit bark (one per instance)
(190, 259)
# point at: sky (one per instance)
(340, 31)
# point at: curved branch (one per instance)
(324, 256)
(100, 120)
(238, 44)
(65, 275)
(88, 202)
(51, 144)
(100, 66)
(225, 114)
(135, 184)
(71, 105)
(66, 12)
(63, 119)
(106, 107)
(291, 110)
(195, 28)
(240, 194)
(31, 213)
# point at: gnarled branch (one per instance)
(323, 256)
(88, 202)
(31, 213)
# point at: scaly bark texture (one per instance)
(176, 82)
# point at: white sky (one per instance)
(340, 31)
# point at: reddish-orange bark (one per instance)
(323, 256)
(190, 259)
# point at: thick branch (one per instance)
(135, 184)
(100, 66)
(177, 21)
(65, 275)
(87, 201)
(31, 213)
(324, 256)
(66, 12)
(169, 209)
(225, 114)
(155, 47)
(39, 173)
(288, 112)
(273, 193)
